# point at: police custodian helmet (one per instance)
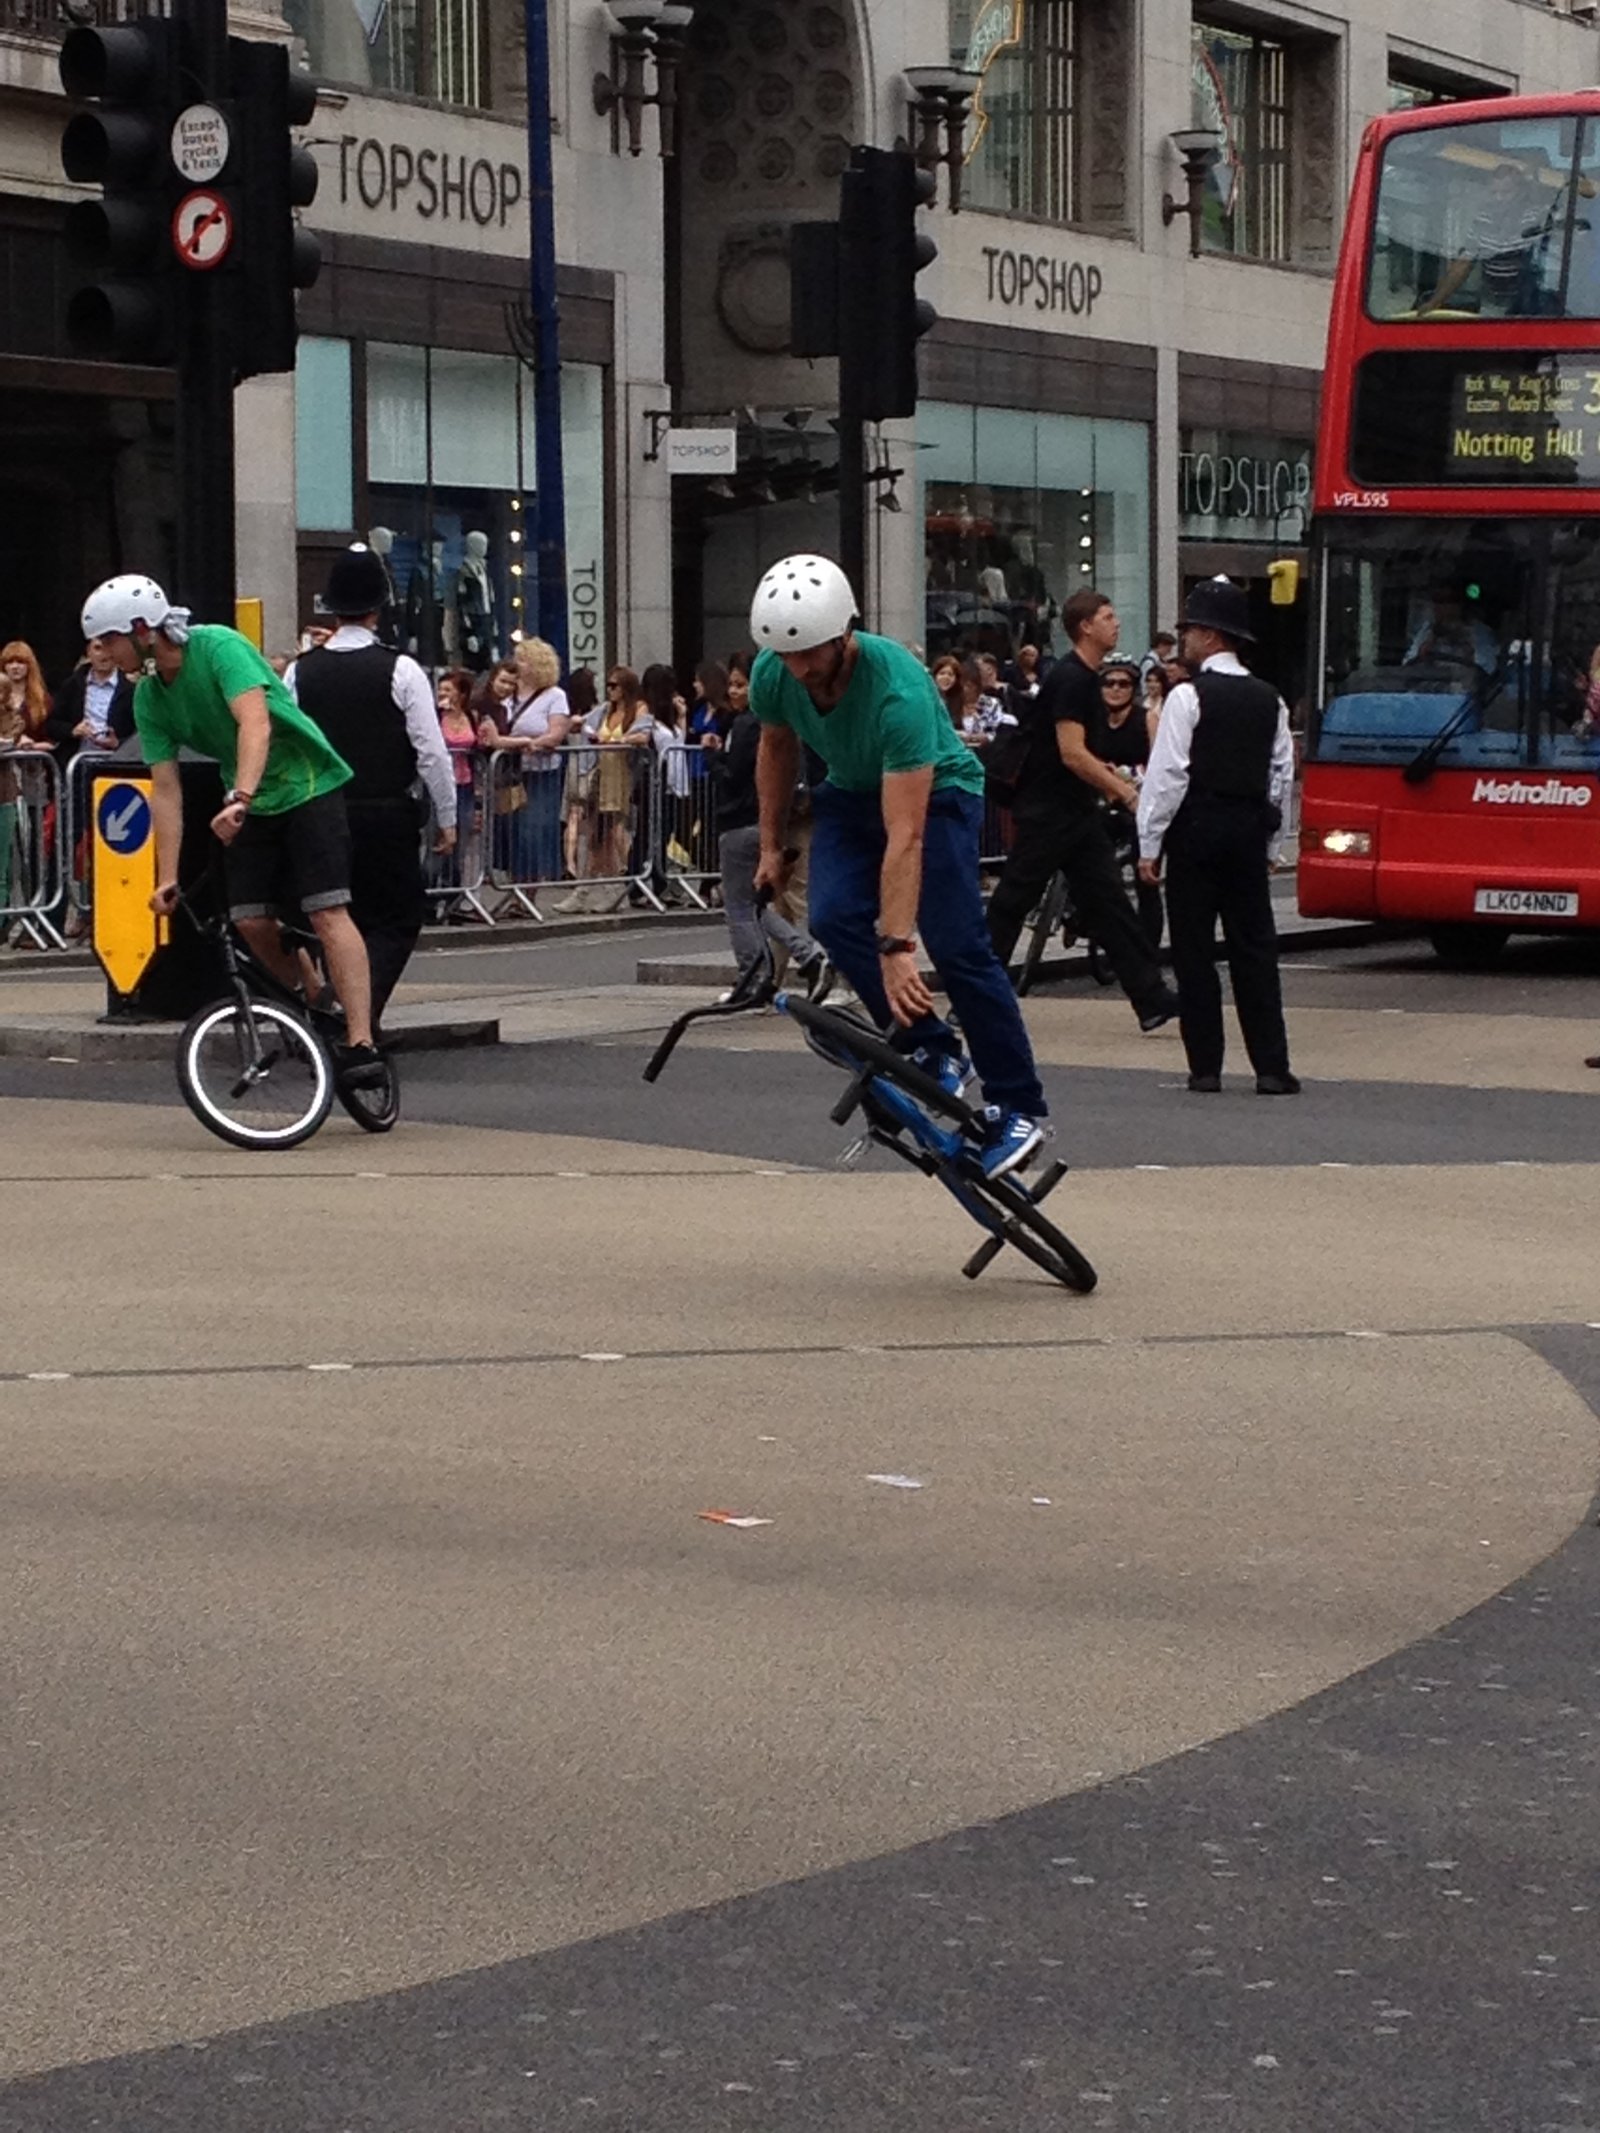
(358, 583)
(1218, 604)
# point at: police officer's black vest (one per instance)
(1230, 757)
(351, 697)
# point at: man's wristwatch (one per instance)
(236, 798)
(897, 944)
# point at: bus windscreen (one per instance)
(1494, 219)
(1437, 419)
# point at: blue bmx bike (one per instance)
(911, 1115)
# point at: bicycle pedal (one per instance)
(849, 1157)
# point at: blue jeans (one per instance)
(539, 828)
(846, 864)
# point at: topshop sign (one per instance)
(1240, 488)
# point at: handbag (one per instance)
(510, 799)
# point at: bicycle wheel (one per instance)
(1044, 926)
(375, 1110)
(850, 1042)
(254, 1075)
(1008, 1212)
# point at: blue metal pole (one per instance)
(550, 485)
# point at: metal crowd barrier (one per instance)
(580, 835)
(77, 841)
(684, 844)
(32, 832)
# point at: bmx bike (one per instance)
(914, 1117)
(256, 1066)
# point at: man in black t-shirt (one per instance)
(1060, 822)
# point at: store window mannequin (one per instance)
(380, 539)
(476, 623)
(431, 626)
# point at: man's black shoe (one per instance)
(1277, 1085)
(1205, 1084)
(1159, 1016)
(1594, 1062)
(358, 1066)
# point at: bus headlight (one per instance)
(1343, 843)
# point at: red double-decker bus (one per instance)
(1454, 743)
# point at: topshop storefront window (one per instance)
(450, 479)
(1021, 510)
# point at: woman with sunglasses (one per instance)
(1123, 740)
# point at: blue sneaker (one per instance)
(1009, 1141)
(951, 1070)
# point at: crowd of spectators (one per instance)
(595, 791)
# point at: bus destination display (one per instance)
(1457, 419)
(1544, 423)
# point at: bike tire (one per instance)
(375, 1110)
(847, 1033)
(1008, 1208)
(1044, 926)
(211, 1054)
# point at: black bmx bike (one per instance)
(912, 1115)
(256, 1067)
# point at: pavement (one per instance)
(1206, 1739)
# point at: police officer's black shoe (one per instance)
(1277, 1085)
(1205, 1084)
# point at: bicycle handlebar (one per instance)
(755, 986)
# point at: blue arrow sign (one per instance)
(124, 819)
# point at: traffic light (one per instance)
(881, 253)
(129, 312)
(276, 175)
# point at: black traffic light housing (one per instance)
(881, 253)
(129, 311)
(144, 305)
(276, 175)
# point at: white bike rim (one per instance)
(264, 1011)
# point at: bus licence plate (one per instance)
(1526, 903)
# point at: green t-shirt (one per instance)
(191, 711)
(890, 718)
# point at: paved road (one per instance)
(1208, 1741)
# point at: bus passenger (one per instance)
(1512, 220)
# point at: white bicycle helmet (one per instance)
(112, 609)
(802, 602)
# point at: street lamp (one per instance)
(1198, 148)
(940, 100)
(645, 30)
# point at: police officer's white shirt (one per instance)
(414, 696)
(1166, 777)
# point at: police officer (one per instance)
(1214, 792)
(376, 707)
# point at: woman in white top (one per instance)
(536, 726)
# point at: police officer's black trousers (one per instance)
(1080, 846)
(387, 898)
(1216, 866)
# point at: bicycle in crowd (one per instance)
(256, 1066)
(911, 1115)
(1056, 918)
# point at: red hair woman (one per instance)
(25, 827)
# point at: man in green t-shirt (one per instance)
(895, 842)
(206, 688)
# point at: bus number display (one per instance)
(1462, 420)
